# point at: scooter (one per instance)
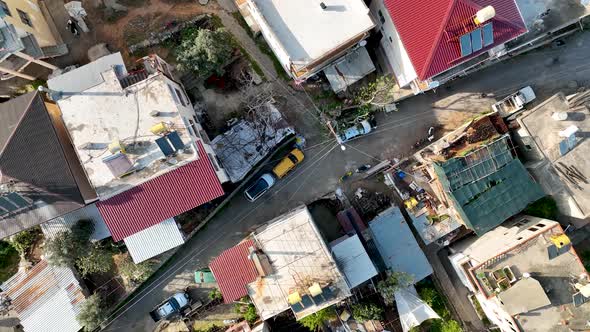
(345, 176)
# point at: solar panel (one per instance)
(4, 203)
(571, 141)
(552, 251)
(579, 299)
(488, 34)
(476, 42)
(175, 140)
(465, 42)
(119, 164)
(563, 147)
(166, 148)
(18, 200)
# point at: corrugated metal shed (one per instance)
(47, 298)
(154, 240)
(353, 261)
(488, 188)
(233, 271)
(397, 244)
(429, 29)
(65, 223)
(87, 76)
(351, 68)
(162, 198)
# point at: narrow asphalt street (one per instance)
(325, 162)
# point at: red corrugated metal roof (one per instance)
(161, 198)
(427, 29)
(347, 217)
(233, 271)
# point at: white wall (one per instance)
(392, 46)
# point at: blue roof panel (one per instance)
(397, 245)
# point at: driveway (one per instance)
(325, 162)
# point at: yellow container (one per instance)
(159, 128)
(560, 240)
(116, 146)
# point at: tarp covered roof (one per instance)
(154, 240)
(488, 185)
(412, 310)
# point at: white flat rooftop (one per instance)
(105, 112)
(307, 32)
(299, 258)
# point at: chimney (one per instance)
(323, 5)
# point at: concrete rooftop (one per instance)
(545, 132)
(299, 258)
(107, 112)
(307, 32)
(555, 276)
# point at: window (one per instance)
(213, 162)
(528, 147)
(540, 225)
(390, 40)
(533, 229)
(24, 17)
(195, 131)
(381, 17)
(180, 97)
(4, 8)
(173, 94)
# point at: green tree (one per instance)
(96, 260)
(64, 250)
(8, 260)
(366, 311)
(395, 281)
(92, 313)
(445, 325)
(135, 273)
(24, 241)
(315, 321)
(205, 52)
(545, 207)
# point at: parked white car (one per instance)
(514, 102)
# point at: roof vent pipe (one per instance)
(323, 5)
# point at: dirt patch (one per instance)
(111, 25)
(137, 28)
(215, 317)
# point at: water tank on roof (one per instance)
(159, 128)
(484, 14)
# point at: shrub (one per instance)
(395, 281)
(24, 241)
(315, 321)
(91, 313)
(9, 259)
(251, 316)
(215, 294)
(367, 311)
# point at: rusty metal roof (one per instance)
(233, 271)
(46, 298)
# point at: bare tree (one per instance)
(263, 121)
